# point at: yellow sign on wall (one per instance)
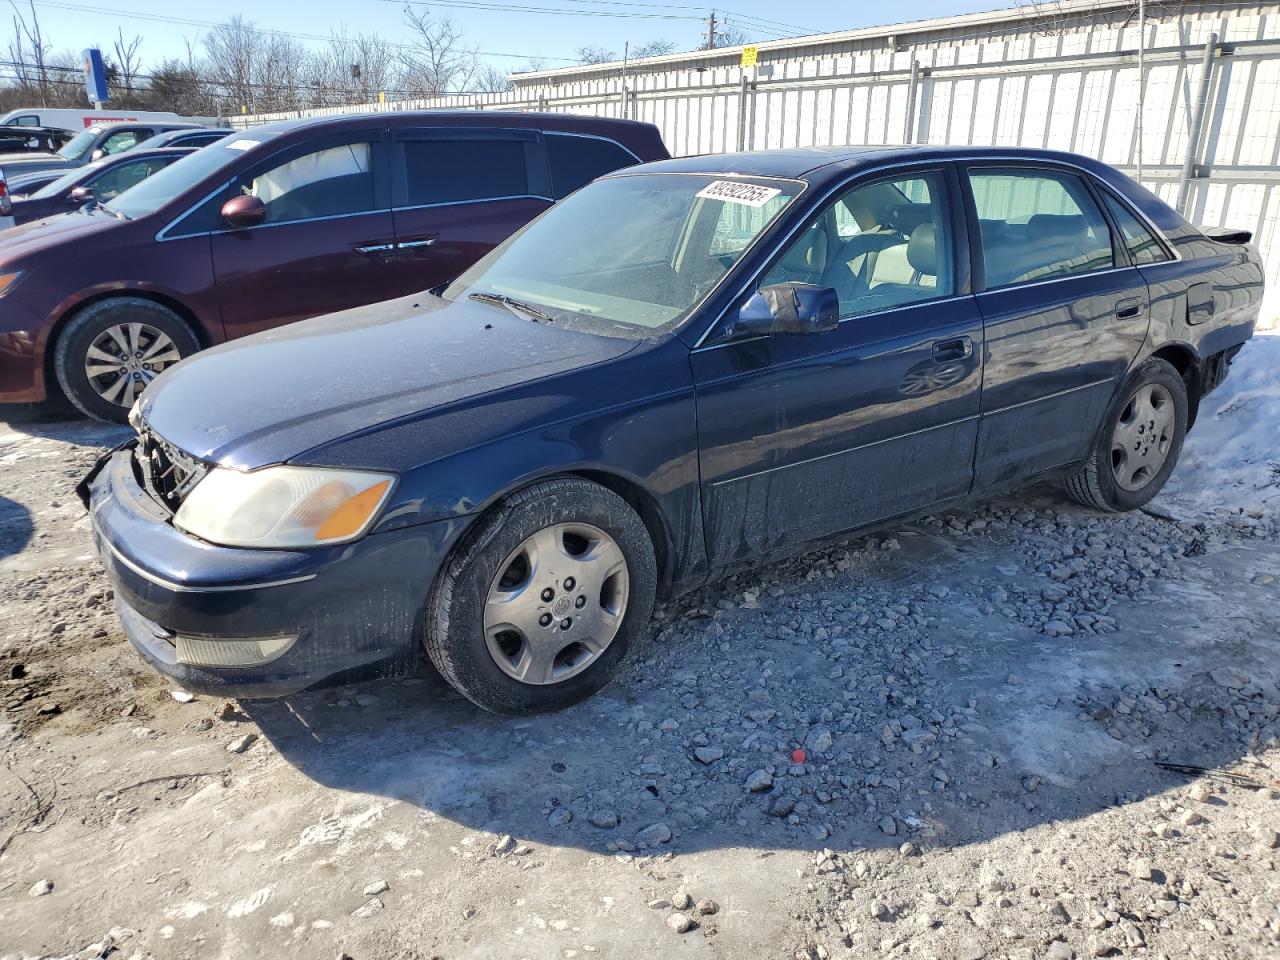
(749, 55)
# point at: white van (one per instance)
(79, 119)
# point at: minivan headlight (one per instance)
(283, 507)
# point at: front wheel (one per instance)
(1139, 443)
(111, 350)
(542, 603)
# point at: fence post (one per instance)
(909, 132)
(1197, 124)
(742, 110)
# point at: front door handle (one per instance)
(1128, 309)
(957, 348)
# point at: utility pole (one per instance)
(1142, 75)
(711, 31)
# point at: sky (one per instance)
(509, 32)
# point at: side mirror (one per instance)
(98, 154)
(789, 308)
(241, 212)
(79, 195)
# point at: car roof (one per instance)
(468, 118)
(136, 153)
(163, 126)
(817, 165)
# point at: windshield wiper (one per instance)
(515, 306)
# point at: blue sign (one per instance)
(95, 76)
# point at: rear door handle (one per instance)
(418, 242)
(958, 348)
(1128, 309)
(368, 248)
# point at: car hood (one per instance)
(271, 397)
(57, 229)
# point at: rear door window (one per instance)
(441, 170)
(1038, 224)
(1142, 245)
(123, 140)
(576, 161)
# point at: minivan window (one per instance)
(326, 183)
(576, 161)
(1038, 224)
(454, 171)
(179, 177)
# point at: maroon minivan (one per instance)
(276, 224)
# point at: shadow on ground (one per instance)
(15, 527)
(913, 669)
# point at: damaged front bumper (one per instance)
(259, 623)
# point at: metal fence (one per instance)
(1207, 140)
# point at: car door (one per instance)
(327, 242)
(807, 436)
(1064, 314)
(458, 192)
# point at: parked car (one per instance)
(681, 368)
(91, 144)
(276, 224)
(22, 140)
(185, 138)
(78, 119)
(26, 184)
(98, 182)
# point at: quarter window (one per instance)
(576, 161)
(1142, 246)
(454, 171)
(326, 183)
(1038, 224)
(880, 245)
(122, 141)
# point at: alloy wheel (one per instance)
(1142, 437)
(556, 603)
(125, 357)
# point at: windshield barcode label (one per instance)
(735, 191)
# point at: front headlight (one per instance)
(283, 507)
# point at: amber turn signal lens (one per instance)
(351, 515)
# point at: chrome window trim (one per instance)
(458, 203)
(290, 223)
(1170, 251)
(1022, 285)
(593, 136)
(160, 234)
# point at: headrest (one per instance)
(905, 217)
(1056, 228)
(809, 253)
(921, 252)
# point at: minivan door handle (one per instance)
(1128, 309)
(957, 348)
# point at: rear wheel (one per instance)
(112, 349)
(1139, 444)
(543, 602)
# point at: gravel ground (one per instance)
(950, 739)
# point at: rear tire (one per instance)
(1139, 443)
(112, 349)
(542, 603)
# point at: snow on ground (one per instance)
(1231, 460)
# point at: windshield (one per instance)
(174, 180)
(80, 144)
(630, 255)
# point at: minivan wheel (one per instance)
(1139, 443)
(543, 602)
(111, 350)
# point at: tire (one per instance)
(463, 636)
(1113, 478)
(142, 325)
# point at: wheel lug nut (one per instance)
(569, 583)
(566, 623)
(545, 620)
(580, 602)
(548, 594)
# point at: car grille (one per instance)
(166, 472)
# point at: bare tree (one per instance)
(594, 55)
(491, 79)
(436, 60)
(730, 37)
(28, 51)
(654, 48)
(128, 63)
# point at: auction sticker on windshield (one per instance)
(733, 191)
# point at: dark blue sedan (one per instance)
(680, 368)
